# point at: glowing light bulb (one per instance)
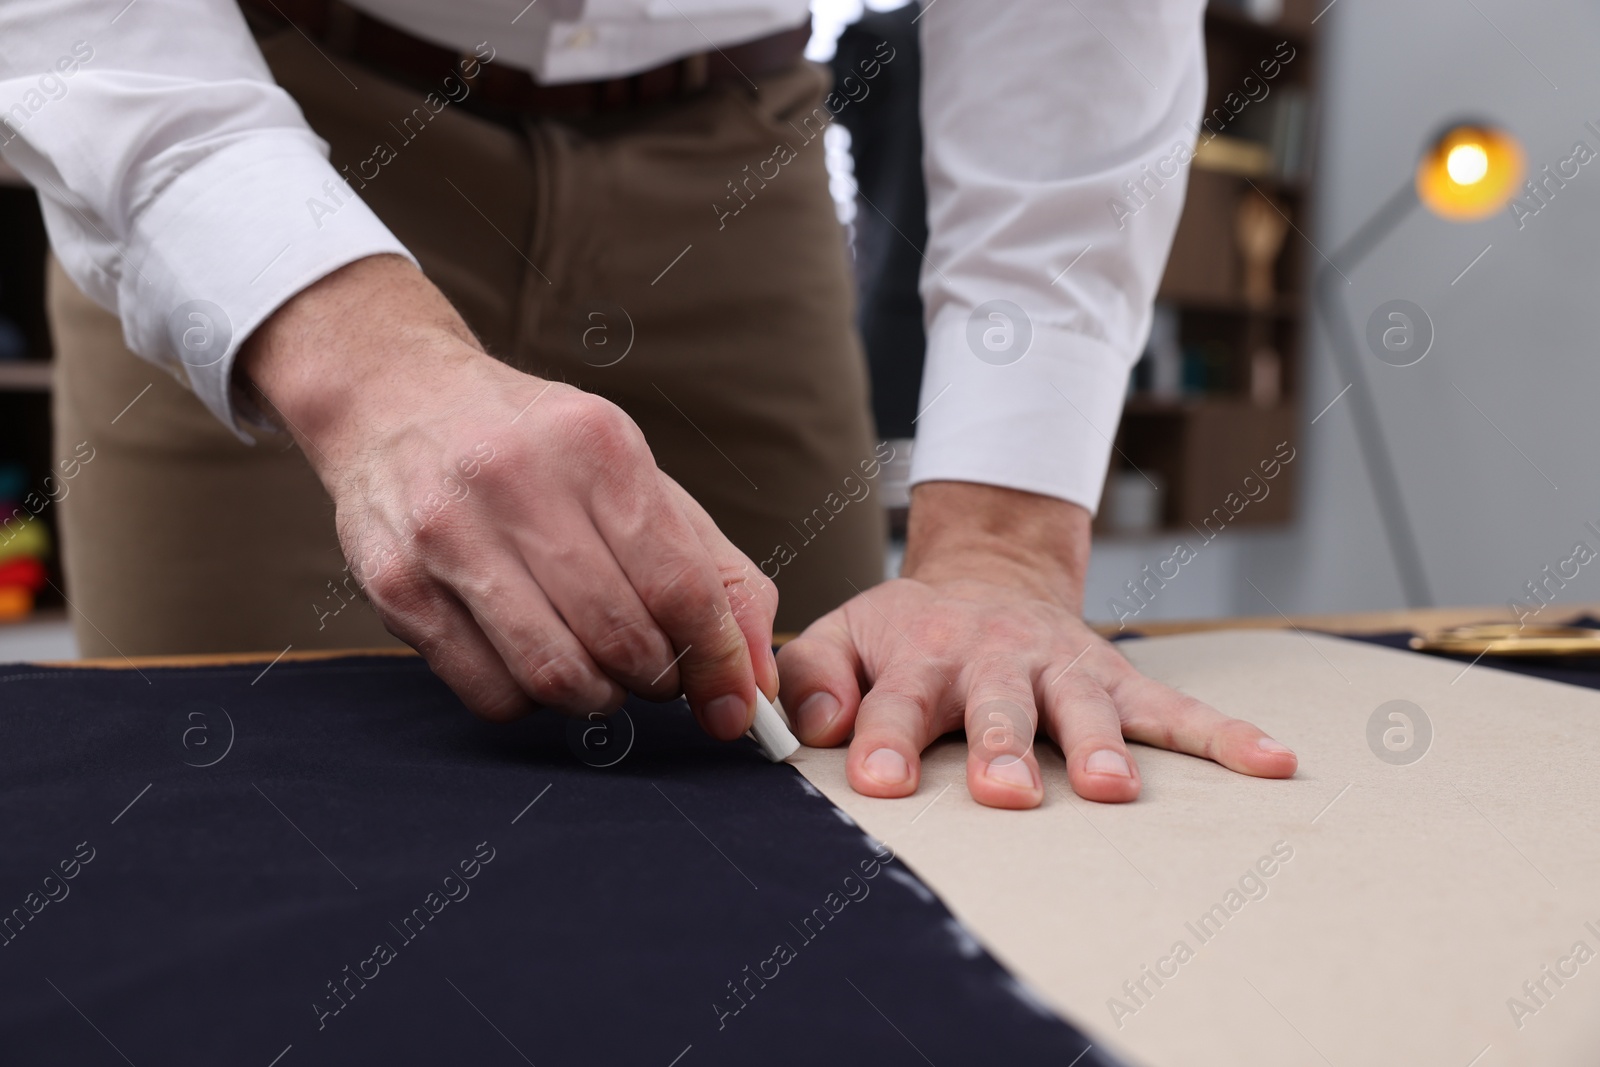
(1470, 171)
(1467, 164)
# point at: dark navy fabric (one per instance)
(333, 863)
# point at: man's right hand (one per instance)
(515, 531)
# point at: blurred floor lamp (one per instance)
(1466, 173)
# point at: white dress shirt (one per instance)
(172, 170)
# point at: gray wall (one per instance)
(1517, 334)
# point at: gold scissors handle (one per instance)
(1509, 639)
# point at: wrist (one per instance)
(352, 352)
(961, 530)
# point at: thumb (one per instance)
(820, 691)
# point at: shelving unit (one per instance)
(1200, 441)
(25, 384)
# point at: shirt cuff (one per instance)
(1041, 421)
(225, 245)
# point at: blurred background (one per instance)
(1435, 457)
(1480, 481)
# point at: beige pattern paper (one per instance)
(1378, 908)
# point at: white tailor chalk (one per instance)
(771, 732)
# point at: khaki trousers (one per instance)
(585, 252)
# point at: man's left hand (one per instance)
(984, 630)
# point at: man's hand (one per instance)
(515, 531)
(984, 630)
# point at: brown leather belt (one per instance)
(510, 92)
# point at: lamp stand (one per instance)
(1375, 454)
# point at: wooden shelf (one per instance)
(1281, 307)
(1144, 404)
(1201, 446)
(1204, 447)
(1271, 183)
(1232, 20)
(27, 376)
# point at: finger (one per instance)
(821, 689)
(679, 584)
(448, 638)
(1083, 719)
(586, 586)
(1159, 715)
(897, 719)
(751, 594)
(535, 645)
(1002, 771)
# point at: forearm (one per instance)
(347, 356)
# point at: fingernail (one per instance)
(815, 713)
(727, 717)
(1012, 770)
(1267, 744)
(1107, 761)
(887, 766)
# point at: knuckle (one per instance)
(679, 594)
(402, 588)
(1075, 690)
(1009, 632)
(1106, 661)
(1232, 731)
(506, 473)
(898, 695)
(481, 589)
(434, 525)
(751, 593)
(599, 429)
(627, 643)
(713, 671)
(1000, 671)
(934, 632)
(561, 681)
(1156, 726)
(1000, 726)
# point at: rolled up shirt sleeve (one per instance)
(181, 188)
(1058, 138)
